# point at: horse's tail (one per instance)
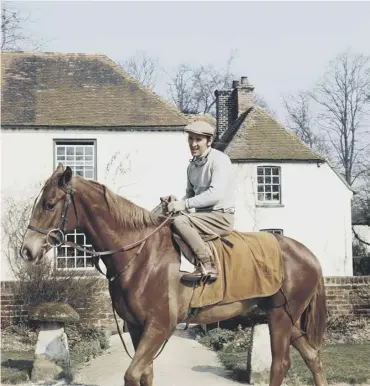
(313, 320)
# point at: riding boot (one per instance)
(205, 271)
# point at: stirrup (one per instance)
(206, 276)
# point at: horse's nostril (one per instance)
(25, 253)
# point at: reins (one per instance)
(60, 231)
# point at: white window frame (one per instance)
(78, 166)
(62, 252)
(264, 187)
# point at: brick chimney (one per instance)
(231, 103)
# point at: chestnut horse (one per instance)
(144, 270)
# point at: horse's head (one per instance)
(49, 219)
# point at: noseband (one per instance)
(61, 228)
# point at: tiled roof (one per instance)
(78, 90)
(257, 136)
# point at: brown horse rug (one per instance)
(251, 268)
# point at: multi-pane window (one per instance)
(268, 184)
(277, 231)
(79, 156)
(70, 258)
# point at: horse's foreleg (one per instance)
(140, 368)
(136, 334)
(310, 355)
(280, 332)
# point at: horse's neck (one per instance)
(104, 230)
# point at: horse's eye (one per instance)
(49, 206)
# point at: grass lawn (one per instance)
(16, 366)
(347, 363)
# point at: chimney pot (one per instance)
(235, 84)
(244, 80)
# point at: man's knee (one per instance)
(180, 221)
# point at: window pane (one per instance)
(275, 196)
(260, 180)
(70, 263)
(89, 150)
(70, 237)
(61, 263)
(268, 171)
(275, 188)
(89, 174)
(268, 180)
(260, 189)
(260, 171)
(268, 188)
(70, 150)
(79, 150)
(61, 150)
(275, 171)
(268, 196)
(80, 239)
(260, 196)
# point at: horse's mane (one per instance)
(125, 212)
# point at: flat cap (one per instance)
(200, 127)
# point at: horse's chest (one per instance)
(124, 307)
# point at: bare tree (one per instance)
(192, 88)
(261, 102)
(13, 35)
(302, 121)
(181, 90)
(342, 97)
(143, 68)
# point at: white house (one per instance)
(86, 112)
(282, 185)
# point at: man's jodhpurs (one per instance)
(222, 224)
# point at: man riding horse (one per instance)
(210, 197)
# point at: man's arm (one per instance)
(189, 188)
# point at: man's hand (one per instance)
(176, 206)
(169, 198)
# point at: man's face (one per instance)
(198, 144)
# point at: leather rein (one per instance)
(60, 230)
(58, 234)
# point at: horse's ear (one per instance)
(59, 169)
(66, 177)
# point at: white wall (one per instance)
(157, 163)
(316, 203)
(315, 210)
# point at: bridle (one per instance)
(60, 230)
(62, 225)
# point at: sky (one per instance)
(282, 47)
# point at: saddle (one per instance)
(249, 266)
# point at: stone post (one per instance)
(52, 360)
